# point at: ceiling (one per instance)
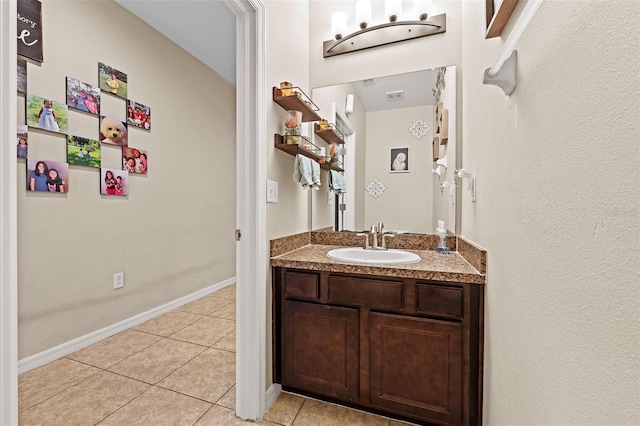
(206, 29)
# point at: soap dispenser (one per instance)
(442, 233)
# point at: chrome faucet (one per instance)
(366, 241)
(374, 233)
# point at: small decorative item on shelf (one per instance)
(293, 127)
(285, 88)
(324, 125)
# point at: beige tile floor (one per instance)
(176, 369)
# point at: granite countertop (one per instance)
(433, 266)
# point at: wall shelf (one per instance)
(497, 20)
(297, 101)
(329, 135)
(295, 149)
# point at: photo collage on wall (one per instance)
(51, 116)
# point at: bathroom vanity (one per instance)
(399, 340)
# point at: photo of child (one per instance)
(47, 176)
(112, 81)
(84, 152)
(134, 160)
(46, 114)
(114, 182)
(83, 96)
(138, 115)
(23, 142)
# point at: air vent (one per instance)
(398, 95)
(368, 82)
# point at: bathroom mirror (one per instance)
(400, 152)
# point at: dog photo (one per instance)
(399, 160)
(113, 131)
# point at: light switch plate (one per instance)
(272, 191)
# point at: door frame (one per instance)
(251, 253)
(251, 248)
(8, 217)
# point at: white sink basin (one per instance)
(360, 255)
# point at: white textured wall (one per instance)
(173, 235)
(287, 42)
(406, 203)
(558, 209)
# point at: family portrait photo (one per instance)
(47, 176)
(46, 114)
(138, 115)
(84, 152)
(399, 160)
(134, 160)
(112, 81)
(83, 96)
(114, 182)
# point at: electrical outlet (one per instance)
(330, 198)
(118, 280)
(272, 191)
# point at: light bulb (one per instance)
(392, 9)
(363, 13)
(422, 9)
(338, 24)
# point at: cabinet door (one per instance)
(416, 367)
(320, 349)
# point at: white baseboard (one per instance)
(71, 346)
(272, 394)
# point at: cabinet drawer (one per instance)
(381, 294)
(440, 300)
(301, 285)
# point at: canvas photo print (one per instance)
(23, 141)
(138, 115)
(22, 76)
(83, 96)
(134, 160)
(46, 114)
(112, 81)
(113, 131)
(114, 182)
(47, 176)
(83, 152)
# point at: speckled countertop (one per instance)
(433, 266)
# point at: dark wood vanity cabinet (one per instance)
(402, 347)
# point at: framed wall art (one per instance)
(47, 176)
(399, 160)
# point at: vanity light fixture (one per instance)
(394, 31)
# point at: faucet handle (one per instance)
(380, 227)
(366, 241)
(384, 238)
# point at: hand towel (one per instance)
(302, 171)
(336, 182)
(315, 175)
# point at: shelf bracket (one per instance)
(505, 77)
